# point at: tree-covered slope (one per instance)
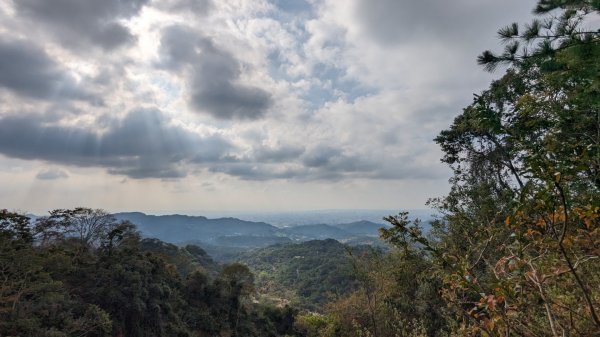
(310, 273)
(366, 228)
(82, 273)
(183, 228)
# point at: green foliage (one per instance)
(516, 250)
(397, 296)
(543, 38)
(309, 273)
(186, 260)
(316, 325)
(85, 224)
(81, 273)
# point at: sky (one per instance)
(264, 105)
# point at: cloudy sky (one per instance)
(161, 105)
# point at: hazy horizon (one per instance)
(293, 217)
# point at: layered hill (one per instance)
(222, 238)
(308, 273)
(180, 228)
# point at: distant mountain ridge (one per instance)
(243, 234)
(362, 227)
(180, 228)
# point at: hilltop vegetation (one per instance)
(181, 228)
(309, 274)
(82, 273)
(223, 238)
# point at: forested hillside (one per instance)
(224, 238)
(180, 228)
(82, 273)
(308, 274)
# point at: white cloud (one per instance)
(312, 96)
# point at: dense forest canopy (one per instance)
(82, 273)
(307, 274)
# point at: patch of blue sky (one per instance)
(332, 82)
(170, 90)
(332, 85)
(294, 6)
(294, 24)
(293, 14)
(278, 67)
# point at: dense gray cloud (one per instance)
(321, 156)
(281, 154)
(80, 23)
(350, 168)
(323, 163)
(401, 21)
(52, 174)
(28, 71)
(331, 163)
(258, 172)
(213, 86)
(144, 144)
